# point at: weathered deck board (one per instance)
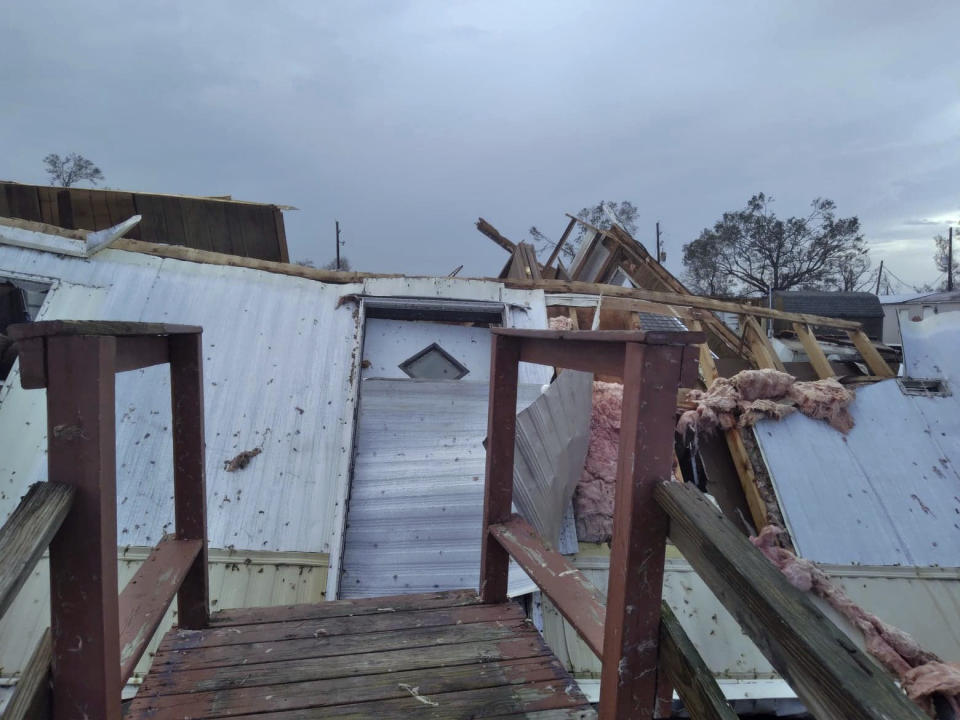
(440, 655)
(344, 608)
(330, 627)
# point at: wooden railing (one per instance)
(643, 650)
(625, 634)
(97, 637)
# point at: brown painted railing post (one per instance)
(498, 491)
(651, 376)
(83, 555)
(189, 484)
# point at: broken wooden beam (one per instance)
(491, 232)
(25, 535)
(829, 673)
(681, 663)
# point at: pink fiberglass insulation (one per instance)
(593, 499)
(921, 673)
(750, 395)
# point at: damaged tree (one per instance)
(752, 250)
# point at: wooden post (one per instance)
(83, 555)
(498, 490)
(189, 485)
(651, 377)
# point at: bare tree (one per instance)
(601, 215)
(941, 257)
(752, 250)
(65, 171)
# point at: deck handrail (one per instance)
(644, 651)
(97, 635)
(653, 367)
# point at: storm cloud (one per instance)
(408, 120)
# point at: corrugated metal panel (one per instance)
(280, 362)
(241, 580)
(553, 433)
(278, 365)
(416, 503)
(885, 493)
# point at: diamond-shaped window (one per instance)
(433, 363)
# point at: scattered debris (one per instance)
(415, 692)
(241, 460)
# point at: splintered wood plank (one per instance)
(145, 599)
(226, 655)
(878, 366)
(345, 608)
(584, 713)
(577, 599)
(305, 669)
(25, 535)
(437, 681)
(338, 626)
(814, 352)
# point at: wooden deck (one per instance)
(440, 655)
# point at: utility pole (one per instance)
(950, 260)
(879, 275)
(658, 241)
(337, 225)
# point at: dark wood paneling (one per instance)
(235, 228)
(23, 202)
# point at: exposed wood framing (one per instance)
(738, 451)
(878, 366)
(829, 673)
(763, 353)
(491, 232)
(560, 244)
(684, 667)
(547, 285)
(814, 352)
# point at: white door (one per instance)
(416, 498)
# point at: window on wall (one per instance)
(433, 363)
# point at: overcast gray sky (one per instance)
(408, 120)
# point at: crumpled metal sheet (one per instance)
(553, 434)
